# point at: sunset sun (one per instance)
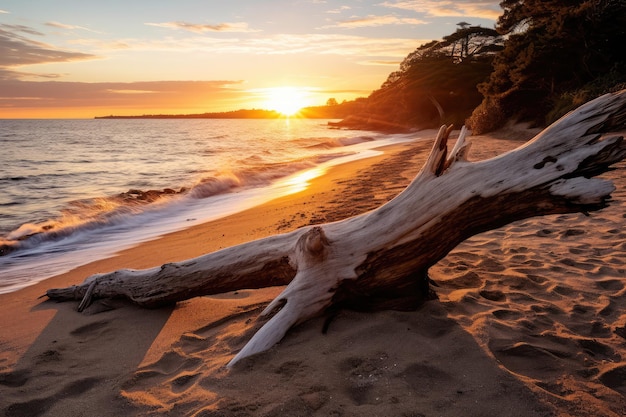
(286, 100)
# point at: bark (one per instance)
(380, 259)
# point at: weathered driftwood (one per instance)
(380, 259)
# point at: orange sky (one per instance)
(68, 59)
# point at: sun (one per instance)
(286, 100)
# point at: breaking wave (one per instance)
(74, 191)
(90, 214)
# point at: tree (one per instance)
(471, 41)
(553, 50)
(436, 83)
(331, 102)
(380, 259)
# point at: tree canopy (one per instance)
(557, 55)
(435, 84)
(544, 58)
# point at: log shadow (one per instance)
(384, 363)
(75, 365)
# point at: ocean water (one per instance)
(73, 191)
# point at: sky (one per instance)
(80, 59)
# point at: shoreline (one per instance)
(271, 217)
(527, 323)
(67, 246)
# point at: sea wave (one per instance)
(73, 193)
(331, 142)
(89, 214)
(82, 215)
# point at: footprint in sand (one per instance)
(39, 406)
(615, 379)
(507, 314)
(363, 373)
(525, 359)
(183, 382)
(421, 378)
(171, 362)
(49, 356)
(493, 295)
(291, 369)
(91, 329)
(599, 351)
(468, 280)
(544, 232)
(14, 379)
(572, 232)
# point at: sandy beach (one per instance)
(530, 321)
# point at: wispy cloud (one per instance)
(381, 62)
(3, 12)
(19, 29)
(325, 44)
(370, 21)
(339, 10)
(68, 27)
(8, 74)
(17, 50)
(280, 44)
(470, 8)
(117, 44)
(15, 93)
(201, 28)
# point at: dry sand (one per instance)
(530, 321)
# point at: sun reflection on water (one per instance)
(299, 182)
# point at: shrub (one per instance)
(487, 117)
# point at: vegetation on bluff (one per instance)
(557, 55)
(543, 59)
(435, 84)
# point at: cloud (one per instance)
(339, 10)
(201, 28)
(381, 62)
(147, 94)
(3, 12)
(69, 27)
(279, 44)
(363, 47)
(470, 8)
(20, 28)
(118, 44)
(325, 44)
(17, 50)
(372, 20)
(7, 74)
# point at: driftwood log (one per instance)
(380, 259)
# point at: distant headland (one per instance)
(236, 114)
(317, 112)
(349, 113)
